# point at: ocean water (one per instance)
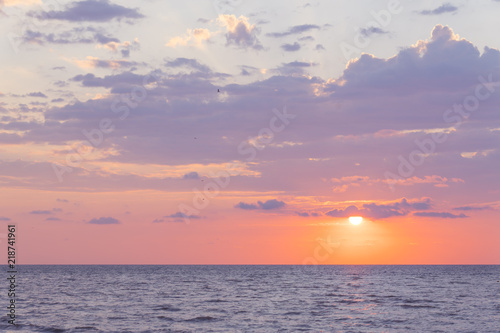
(256, 299)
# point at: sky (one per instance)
(248, 132)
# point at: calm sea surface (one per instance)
(256, 299)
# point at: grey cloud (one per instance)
(267, 205)
(191, 175)
(373, 31)
(89, 10)
(104, 220)
(291, 47)
(297, 29)
(469, 208)
(52, 219)
(3, 218)
(444, 8)
(444, 215)
(246, 206)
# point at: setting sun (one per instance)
(356, 220)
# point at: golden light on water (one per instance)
(356, 220)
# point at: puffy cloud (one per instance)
(267, 205)
(239, 32)
(271, 204)
(444, 8)
(297, 29)
(104, 220)
(194, 37)
(246, 206)
(191, 175)
(177, 217)
(89, 10)
(291, 47)
(37, 94)
(443, 215)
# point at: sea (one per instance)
(176, 298)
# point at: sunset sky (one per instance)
(248, 132)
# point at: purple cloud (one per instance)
(444, 215)
(89, 10)
(104, 220)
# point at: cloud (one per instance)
(89, 10)
(3, 218)
(367, 32)
(62, 200)
(176, 217)
(291, 47)
(470, 208)
(191, 175)
(271, 204)
(93, 62)
(37, 94)
(239, 32)
(444, 215)
(246, 206)
(383, 211)
(104, 220)
(77, 35)
(194, 37)
(52, 219)
(40, 212)
(444, 8)
(297, 29)
(267, 205)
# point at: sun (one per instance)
(356, 220)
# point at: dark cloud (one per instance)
(303, 214)
(104, 220)
(52, 219)
(444, 215)
(40, 212)
(444, 8)
(373, 31)
(291, 47)
(3, 218)
(319, 47)
(297, 29)
(89, 10)
(191, 175)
